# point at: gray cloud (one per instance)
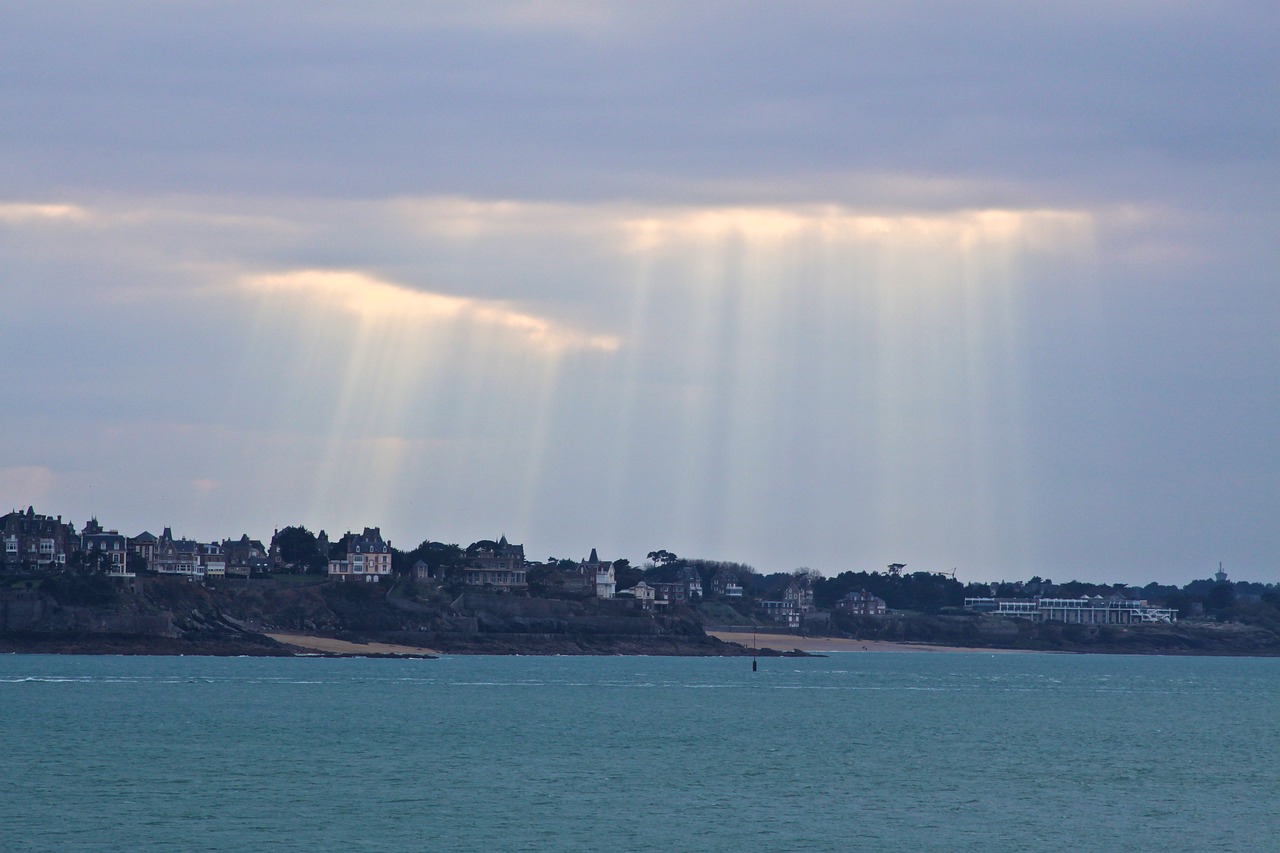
(390, 100)
(990, 285)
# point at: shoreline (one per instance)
(819, 645)
(714, 644)
(326, 645)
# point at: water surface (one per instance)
(859, 751)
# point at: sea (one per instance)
(854, 751)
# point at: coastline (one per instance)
(819, 645)
(307, 643)
(714, 644)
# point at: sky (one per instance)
(988, 286)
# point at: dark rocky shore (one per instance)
(171, 616)
(50, 643)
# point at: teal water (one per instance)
(852, 752)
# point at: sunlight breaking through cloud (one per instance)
(373, 299)
(14, 213)
(959, 229)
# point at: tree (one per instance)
(625, 574)
(298, 549)
(1221, 600)
(661, 557)
(545, 580)
(444, 561)
(136, 563)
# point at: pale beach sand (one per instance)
(779, 642)
(342, 647)
(789, 642)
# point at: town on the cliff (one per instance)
(714, 594)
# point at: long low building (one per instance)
(1089, 610)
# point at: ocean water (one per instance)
(859, 751)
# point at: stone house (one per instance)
(692, 582)
(726, 584)
(862, 603)
(174, 556)
(244, 556)
(668, 594)
(36, 541)
(367, 557)
(497, 564)
(144, 545)
(105, 549)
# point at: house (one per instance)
(862, 603)
(213, 559)
(577, 578)
(726, 585)
(367, 557)
(642, 593)
(599, 574)
(667, 594)
(421, 571)
(800, 595)
(36, 541)
(795, 604)
(177, 556)
(781, 611)
(105, 550)
(497, 564)
(245, 556)
(692, 581)
(144, 545)
(606, 582)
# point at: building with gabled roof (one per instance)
(496, 564)
(367, 557)
(175, 556)
(105, 550)
(726, 584)
(692, 580)
(36, 541)
(245, 556)
(643, 595)
(144, 545)
(597, 576)
(862, 603)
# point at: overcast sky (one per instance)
(992, 286)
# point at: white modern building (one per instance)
(1088, 610)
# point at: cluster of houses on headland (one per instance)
(35, 542)
(30, 541)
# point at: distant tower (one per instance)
(1220, 576)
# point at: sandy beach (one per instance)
(342, 647)
(788, 642)
(778, 642)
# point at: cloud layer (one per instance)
(836, 285)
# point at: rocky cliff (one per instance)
(167, 615)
